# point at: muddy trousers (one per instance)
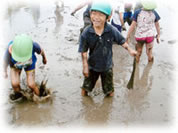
(106, 80)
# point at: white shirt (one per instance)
(115, 15)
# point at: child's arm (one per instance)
(158, 31)
(122, 20)
(43, 56)
(80, 6)
(131, 51)
(6, 63)
(85, 64)
(37, 48)
(131, 29)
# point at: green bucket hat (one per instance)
(149, 4)
(102, 6)
(22, 48)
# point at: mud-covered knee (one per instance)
(139, 51)
(31, 85)
(139, 54)
(15, 84)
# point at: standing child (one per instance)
(128, 13)
(20, 54)
(117, 18)
(145, 20)
(98, 38)
(86, 14)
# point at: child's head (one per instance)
(22, 48)
(148, 4)
(128, 7)
(100, 12)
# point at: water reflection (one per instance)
(33, 114)
(142, 85)
(22, 17)
(143, 81)
(96, 113)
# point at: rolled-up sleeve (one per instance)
(36, 48)
(157, 17)
(118, 38)
(135, 15)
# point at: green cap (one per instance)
(102, 6)
(149, 4)
(22, 48)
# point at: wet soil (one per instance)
(150, 102)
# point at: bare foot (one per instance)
(111, 94)
(151, 60)
(84, 92)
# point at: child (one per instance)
(145, 20)
(117, 18)
(128, 13)
(20, 54)
(98, 38)
(86, 14)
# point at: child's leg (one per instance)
(89, 82)
(31, 81)
(107, 82)
(15, 79)
(149, 48)
(139, 47)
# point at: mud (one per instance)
(50, 24)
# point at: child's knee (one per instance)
(139, 52)
(31, 84)
(149, 51)
(15, 84)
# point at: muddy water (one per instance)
(50, 24)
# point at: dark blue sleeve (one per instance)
(36, 48)
(157, 16)
(135, 15)
(83, 46)
(118, 38)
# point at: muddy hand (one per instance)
(157, 38)
(44, 61)
(72, 13)
(133, 52)
(85, 72)
(123, 28)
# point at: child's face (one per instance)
(98, 19)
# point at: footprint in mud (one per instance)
(72, 25)
(46, 30)
(41, 67)
(69, 39)
(66, 73)
(162, 40)
(172, 41)
(161, 105)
